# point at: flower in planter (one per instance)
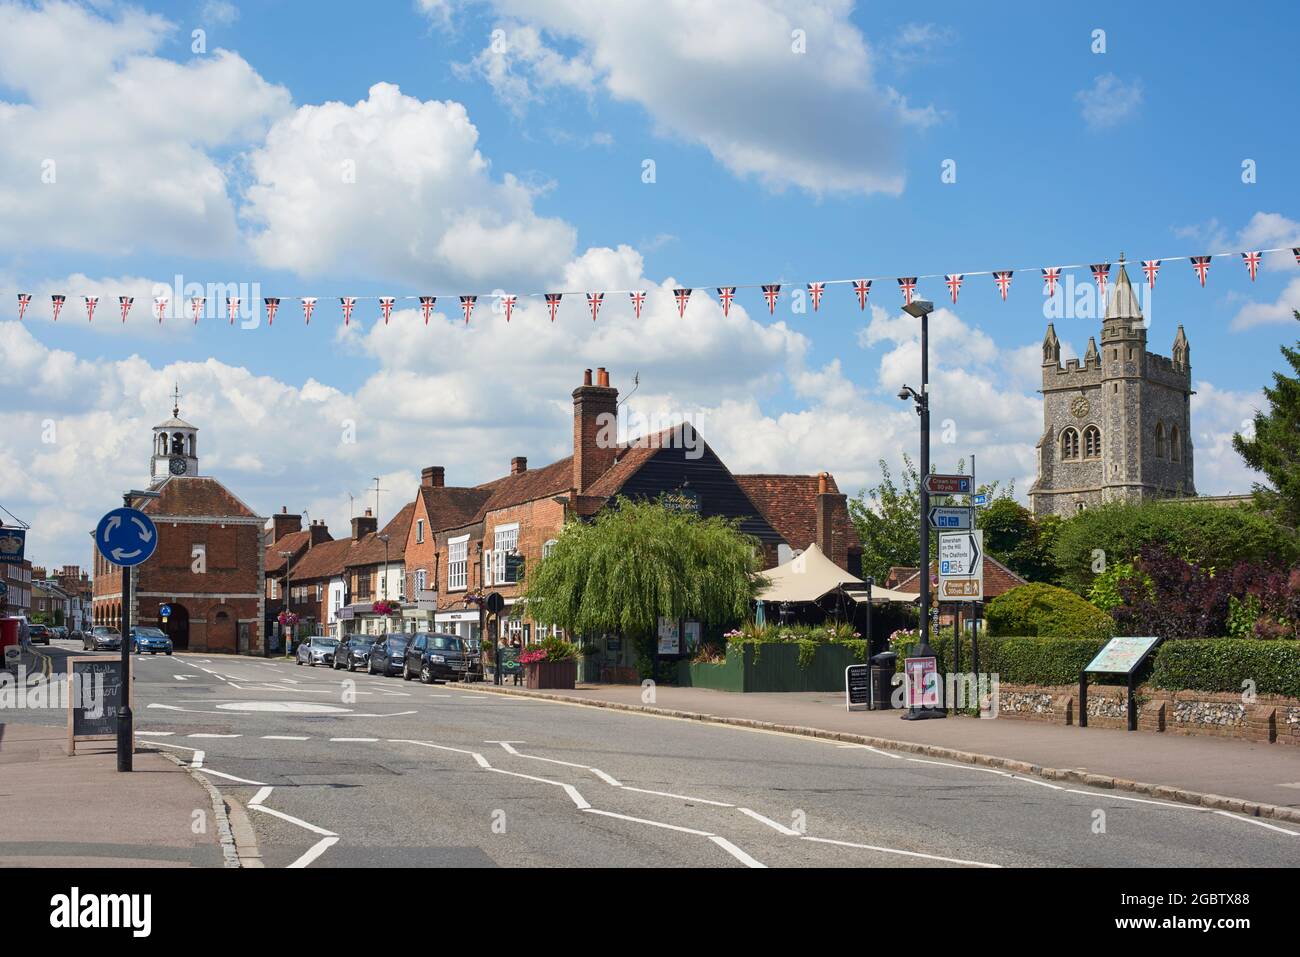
(528, 657)
(384, 607)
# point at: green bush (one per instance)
(1046, 611)
(1017, 660)
(1224, 664)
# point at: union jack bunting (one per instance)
(1003, 279)
(1252, 263)
(386, 307)
(1100, 274)
(124, 303)
(159, 307)
(553, 302)
(815, 293)
(863, 288)
(197, 303)
(638, 300)
(232, 307)
(308, 306)
(725, 295)
(426, 306)
(57, 302)
(24, 300)
(272, 307)
(1051, 276)
(908, 285)
(683, 296)
(954, 284)
(594, 299)
(507, 303)
(1152, 268)
(771, 292)
(1295, 251)
(91, 303)
(467, 303)
(1202, 266)
(347, 302)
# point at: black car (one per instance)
(436, 657)
(353, 652)
(388, 656)
(101, 638)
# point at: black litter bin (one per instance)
(882, 680)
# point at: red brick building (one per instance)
(286, 543)
(208, 565)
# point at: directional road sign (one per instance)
(126, 536)
(961, 566)
(950, 517)
(937, 484)
(980, 499)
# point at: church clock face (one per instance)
(1079, 406)
(177, 466)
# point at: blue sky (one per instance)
(521, 168)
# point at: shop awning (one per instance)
(811, 575)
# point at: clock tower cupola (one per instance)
(175, 446)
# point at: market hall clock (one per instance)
(177, 465)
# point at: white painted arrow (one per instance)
(145, 534)
(111, 526)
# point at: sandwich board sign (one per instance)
(857, 687)
(96, 695)
(961, 566)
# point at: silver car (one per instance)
(317, 651)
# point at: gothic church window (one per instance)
(1160, 440)
(1070, 444)
(1092, 442)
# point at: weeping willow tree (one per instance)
(640, 561)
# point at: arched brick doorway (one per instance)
(178, 627)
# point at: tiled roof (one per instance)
(294, 542)
(370, 549)
(194, 497)
(324, 560)
(789, 503)
(452, 506)
(998, 579)
(630, 459)
(523, 487)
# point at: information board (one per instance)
(922, 682)
(857, 687)
(1121, 655)
(97, 694)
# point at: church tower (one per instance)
(1117, 426)
(175, 446)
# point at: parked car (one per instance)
(152, 640)
(59, 632)
(436, 657)
(102, 638)
(317, 651)
(39, 634)
(353, 651)
(388, 655)
(77, 635)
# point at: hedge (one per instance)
(1046, 611)
(1019, 660)
(1224, 664)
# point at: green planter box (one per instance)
(771, 666)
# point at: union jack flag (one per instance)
(638, 300)
(386, 307)
(426, 306)
(507, 303)
(725, 295)
(954, 284)
(553, 302)
(908, 285)
(232, 307)
(1295, 251)
(272, 307)
(683, 296)
(815, 293)
(1202, 266)
(124, 302)
(1003, 279)
(1051, 276)
(347, 302)
(1252, 263)
(308, 306)
(91, 303)
(24, 300)
(198, 302)
(467, 303)
(160, 308)
(594, 299)
(1152, 268)
(770, 293)
(1100, 274)
(863, 288)
(57, 302)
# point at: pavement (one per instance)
(322, 768)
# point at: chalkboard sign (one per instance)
(96, 695)
(857, 687)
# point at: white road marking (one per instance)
(355, 740)
(231, 777)
(215, 736)
(1251, 820)
(867, 747)
(647, 821)
(774, 825)
(294, 820)
(894, 850)
(679, 797)
(261, 796)
(156, 734)
(582, 803)
(735, 852)
(315, 851)
(607, 778)
(285, 737)
(181, 677)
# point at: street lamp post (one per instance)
(384, 586)
(285, 626)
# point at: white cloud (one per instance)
(111, 148)
(1109, 101)
(219, 12)
(396, 187)
(1216, 415)
(725, 75)
(1281, 310)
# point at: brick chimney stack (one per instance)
(595, 428)
(432, 476)
(518, 464)
(319, 533)
(282, 524)
(827, 503)
(363, 525)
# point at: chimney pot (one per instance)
(518, 464)
(602, 377)
(586, 377)
(822, 488)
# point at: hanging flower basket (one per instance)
(288, 618)
(385, 608)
